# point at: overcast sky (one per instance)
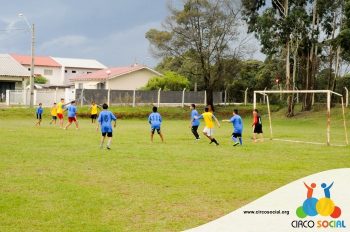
(111, 31)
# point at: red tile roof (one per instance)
(111, 73)
(39, 60)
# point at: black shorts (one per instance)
(109, 134)
(38, 116)
(258, 129)
(54, 117)
(93, 116)
(236, 135)
(154, 129)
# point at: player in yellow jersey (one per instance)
(209, 119)
(60, 109)
(54, 114)
(93, 111)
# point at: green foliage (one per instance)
(40, 80)
(170, 81)
(202, 31)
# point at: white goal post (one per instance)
(329, 93)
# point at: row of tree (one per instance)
(306, 42)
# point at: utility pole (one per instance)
(32, 66)
(31, 101)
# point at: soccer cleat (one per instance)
(235, 144)
(108, 148)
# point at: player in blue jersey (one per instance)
(155, 120)
(104, 121)
(237, 124)
(39, 114)
(194, 123)
(72, 115)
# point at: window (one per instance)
(89, 72)
(101, 86)
(28, 69)
(80, 86)
(66, 71)
(48, 72)
(73, 71)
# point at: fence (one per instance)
(139, 97)
(46, 97)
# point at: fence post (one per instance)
(254, 100)
(246, 97)
(35, 97)
(328, 118)
(56, 94)
(109, 97)
(313, 99)
(159, 97)
(183, 98)
(264, 96)
(134, 99)
(82, 97)
(346, 97)
(24, 95)
(225, 97)
(297, 95)
(7, 97)
(205, 97)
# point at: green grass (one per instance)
(56, 180)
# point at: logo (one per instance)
(324, 206)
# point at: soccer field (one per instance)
(56, 180)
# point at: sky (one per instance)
(111, 31)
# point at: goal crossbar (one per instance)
(329, 93)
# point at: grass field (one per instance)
(56, 180)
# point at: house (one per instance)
(43, 66)
(118, 78)
(12, 74)
(58, 70)
(76, 67)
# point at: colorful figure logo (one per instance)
(313, 206)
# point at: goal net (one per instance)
(327, 127)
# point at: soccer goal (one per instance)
(328, 93)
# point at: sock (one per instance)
(109, 143)
(241, 141)
(234, 139)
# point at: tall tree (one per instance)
(300, 26)
(202, 31)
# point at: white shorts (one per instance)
(208, 131)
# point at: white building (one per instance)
(58, 71)
(12, 75)
(119, 78)
(43, 66)
(77, 67)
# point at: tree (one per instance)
(202, 31)
(40, 80)
(301, 27)
(170, 81)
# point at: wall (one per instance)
(86, 84)
(68, 73)
(54, 79)
(131, 81)
(121, 97)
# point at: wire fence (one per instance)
(139, 97)
(112, 97)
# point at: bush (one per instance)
(40, 80)
(171, 81)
